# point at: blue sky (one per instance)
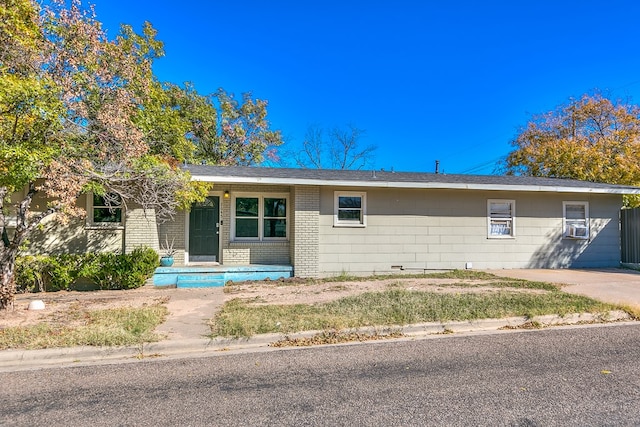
(427, 80)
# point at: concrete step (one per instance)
(168, 276)
(200, 280)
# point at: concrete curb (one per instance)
(13, 360)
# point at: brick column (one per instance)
(306, 228)
(140, 229)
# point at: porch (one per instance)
(217, 275)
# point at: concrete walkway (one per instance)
(190, 309)
(614, 285)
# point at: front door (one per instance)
(204, 230)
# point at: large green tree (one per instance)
(215, 129)
(241, 135)
(591, 138)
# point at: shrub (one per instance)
(60, 272)
(28, 273)
(125, 271)
(106, 270)
(44, 273)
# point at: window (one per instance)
(350, 209)
(260, 217)
(501, 218)
(247, 218)
(275, 217)
(575, 220)
(105, 210)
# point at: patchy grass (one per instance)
(451, 274)
(239, 318)
(335, 337)
(493, 283)
(502, 283)
(232, 287)
(110, 327)
(632, 310)
(461, 274)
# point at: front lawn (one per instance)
(401, 306)
(78, 327)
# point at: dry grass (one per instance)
(77, 327)
(468, 296)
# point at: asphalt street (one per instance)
(580, 376)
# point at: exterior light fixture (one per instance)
(226, 194)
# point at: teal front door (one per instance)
(204, 230)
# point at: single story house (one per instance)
(328, 222)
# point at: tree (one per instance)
(214, 129)
(165, 120)
(241, 135)
(82, 113)
(591, 138)
(69, 97)
(340, 150)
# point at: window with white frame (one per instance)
(104, 210)
(501, 216)
(575, 220)
(350, 209)
(260, 217)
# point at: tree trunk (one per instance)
(7, 277)
(9, 247)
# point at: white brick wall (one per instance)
(174, 230)
(306, 231)
(256, 253)
(140, 229)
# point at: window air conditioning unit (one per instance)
(578, 231)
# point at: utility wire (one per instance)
(482, 166)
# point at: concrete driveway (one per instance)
(614, 285)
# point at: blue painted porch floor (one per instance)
(217, 275)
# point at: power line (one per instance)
(482, 166)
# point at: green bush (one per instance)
(106, 270)
(45, 273)
(60, 272)
(28, 273)
(125, 271)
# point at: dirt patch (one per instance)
(284, 292)
(185, 302)
(59, 305)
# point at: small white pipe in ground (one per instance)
(36, 305)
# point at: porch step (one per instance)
(200, 280)
(218, 275)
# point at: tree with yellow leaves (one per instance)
(591, 138)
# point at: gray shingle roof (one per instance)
(371, 178)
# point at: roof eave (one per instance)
(415, 185)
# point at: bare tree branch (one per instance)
(342, 149)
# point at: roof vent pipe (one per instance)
(437, 166)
